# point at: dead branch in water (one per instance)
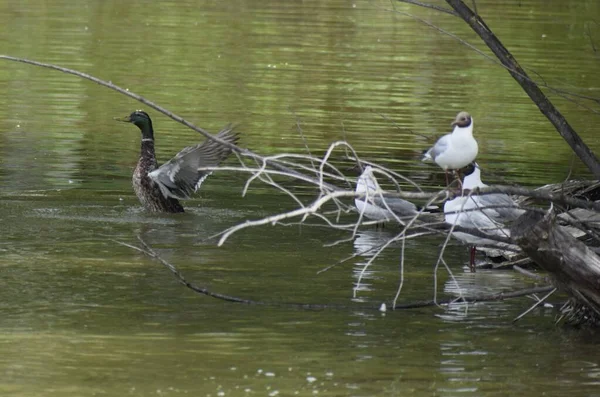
(151, 253)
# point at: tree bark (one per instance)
(574, 268)
(529, 86)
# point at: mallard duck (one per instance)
(159, 189)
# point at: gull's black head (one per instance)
(469, 169)
(357, 170)
(463, 119)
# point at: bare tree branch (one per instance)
(476, 298)
(156, 107)
(536, 304)
(148, 251)
(560, 92)
(537, 96)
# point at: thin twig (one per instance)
(128, 93)
(527, 273)
(386, 118)
(476, 298)
(536, 304)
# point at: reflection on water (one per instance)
(367, 244)
(82, 315)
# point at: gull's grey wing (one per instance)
(180, 176)
(468, 213)
(398, 206)
(440, 146)
(506, 207)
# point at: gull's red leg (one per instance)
(472, 259)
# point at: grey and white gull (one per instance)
(498, 206)
(455, 150)
(487, 214)
(374, 204)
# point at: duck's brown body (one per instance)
(146, 189)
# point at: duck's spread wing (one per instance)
(182, 175)
(440, 146)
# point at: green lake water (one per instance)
(84, 316)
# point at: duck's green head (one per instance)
(141, 120)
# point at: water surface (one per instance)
(83, 316)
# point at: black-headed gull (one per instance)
(455, 150)
(498, 206)
(470, 211)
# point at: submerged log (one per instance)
(573, 267)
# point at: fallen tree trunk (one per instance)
(574, 268)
